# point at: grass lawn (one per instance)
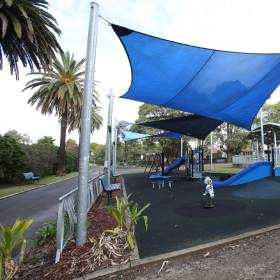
(222, 168)
(11, 189)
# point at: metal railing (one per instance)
(276, 157)
(247, 159)
(67, 214)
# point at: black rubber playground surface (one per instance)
(177, 219)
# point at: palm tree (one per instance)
(60, 90)
(27, 34)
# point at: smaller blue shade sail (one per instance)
(172, 135)
(192, 125)
(128, 135)
(222, 85)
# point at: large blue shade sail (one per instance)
(192, 125)
(227, 86)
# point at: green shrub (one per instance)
(71, 163)
(41, 158)
(126, 213)
(12, 159)
(46, 234)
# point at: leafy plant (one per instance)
(47, 233)
(12, 241)
(135, 214)
(127, 214)
(119, 211)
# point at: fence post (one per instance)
(59, 231)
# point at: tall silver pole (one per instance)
(107, 165)
(115, 146)
(211, 150)
(86, 126)
(182, 142)
(262, 134)
(275, 139)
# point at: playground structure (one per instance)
(191, 79)
(263, 164)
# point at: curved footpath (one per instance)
(40, 204)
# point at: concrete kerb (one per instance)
(36, 188)
(178, 253)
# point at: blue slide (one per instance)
(168, 169)
(253, 172)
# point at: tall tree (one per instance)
(12, 158)
(27, 34)
(148, 112)
(20, 138)
(46, 140)
(60, 90)
(231, 139)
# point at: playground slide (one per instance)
(171, 167)
(253, 172)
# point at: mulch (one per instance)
(39, 263)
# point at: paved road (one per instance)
(41, 204)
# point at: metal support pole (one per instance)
(115, 147)
(262, 134)
(107, 164)
(211, 150)
(182, 143)
(162, 164)
(275, 139)
(86, 126)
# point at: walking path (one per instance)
(40, 204)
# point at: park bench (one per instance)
(109, 188)
(29, 177)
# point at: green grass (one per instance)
(222, 168)
(12, 189)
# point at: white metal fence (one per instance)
(247, 159)
(276, 157)
(67, 214)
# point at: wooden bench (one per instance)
(109, 188)
(29, 177)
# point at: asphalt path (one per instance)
(40, 204)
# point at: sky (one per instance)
(240, 25)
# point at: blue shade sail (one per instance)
(192, 125)
(128, 135)
(227, 86)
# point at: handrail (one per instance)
(67, 215)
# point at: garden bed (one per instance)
(76, 261)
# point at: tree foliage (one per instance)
(97, 153)
(148, 112)
(231, 139)
(12, 159)
(46, 140)
(28, 34)
(41, 158)
(20, 138)
(60, 90)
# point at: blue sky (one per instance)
(250, 26)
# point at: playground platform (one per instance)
(178, 220)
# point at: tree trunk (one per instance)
(61, 152)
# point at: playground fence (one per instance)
(276, 157)
(247, 159)
(67, 213)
